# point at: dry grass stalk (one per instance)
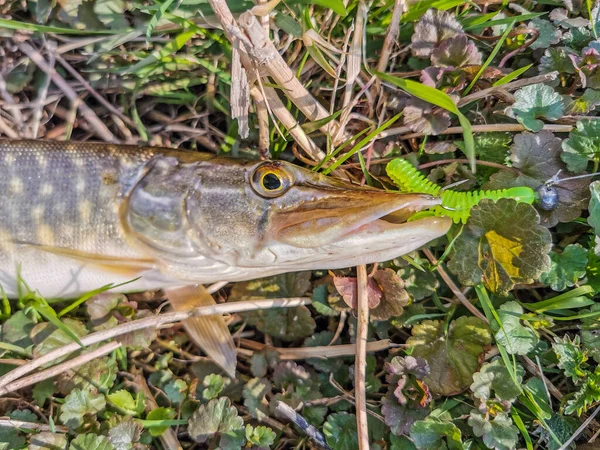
(360, 363)
(329, 351)
(60, 368)
(454, 288)
(149, 322)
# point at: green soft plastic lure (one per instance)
(456, 205)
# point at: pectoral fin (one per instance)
(124, 266)
(210, 333)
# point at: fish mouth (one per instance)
(355, 214)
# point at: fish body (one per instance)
(78, 216)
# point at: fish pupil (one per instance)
(271, 182)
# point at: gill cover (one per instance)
(154, 213)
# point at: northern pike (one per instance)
(76, 216)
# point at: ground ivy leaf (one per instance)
(401, 443)
(283, 323)
(216, 417)
(548, 33)
(394, 297)
(125, 433)
(91, 441)
(160, 413)
(572, 359)
(557, 58)
(594, 207)
(433, 27)
(417, 283)
(400, 418)
(213, 384)
(124, 400)
(320, 301)
(423, 117)
(584, 104)
(534, 102)
(590, 334)
(78, 404)
(16, 330)
(340, 431)
(457, 51)
(50, 441)
(176, 390)
(502, 244)
(453, 357)
(537, 156)
(255, 392)
(47, 337)
(563, 428)
(582, 145)
(499, 433)
(99, 373)
(43, 390)
(429, 434)
(516, 338)
(260, 436)
(566, 267)
(495, 377)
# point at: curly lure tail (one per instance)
(456, 205)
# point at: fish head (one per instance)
(244, 220)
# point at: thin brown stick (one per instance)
(391, 35)
(266, 56)
(440, 162)
(325, 351)
(360, 362)
(169, 437)
(533, 368)
(454, 288)
(512, 127)
(150, 322)
(33, 426)
(99, 127)
(512, 86)
(60, 368)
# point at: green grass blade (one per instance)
(490, 58)
(505, 21)
(511, 76)
(16, 25)
(438, 98)
(372, 135)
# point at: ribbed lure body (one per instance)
(455, 204)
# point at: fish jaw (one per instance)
(329, 218)
(376, 241)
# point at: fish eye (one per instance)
(271, 180)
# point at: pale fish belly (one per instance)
(66, 195)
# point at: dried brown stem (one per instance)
(329, 351)
(508, 87)
(454, 288)
(360, 362)
(150, 322)
(60, 368)
(391, 35)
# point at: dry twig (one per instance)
(360, 363)
(60, 368)
(150, 322)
